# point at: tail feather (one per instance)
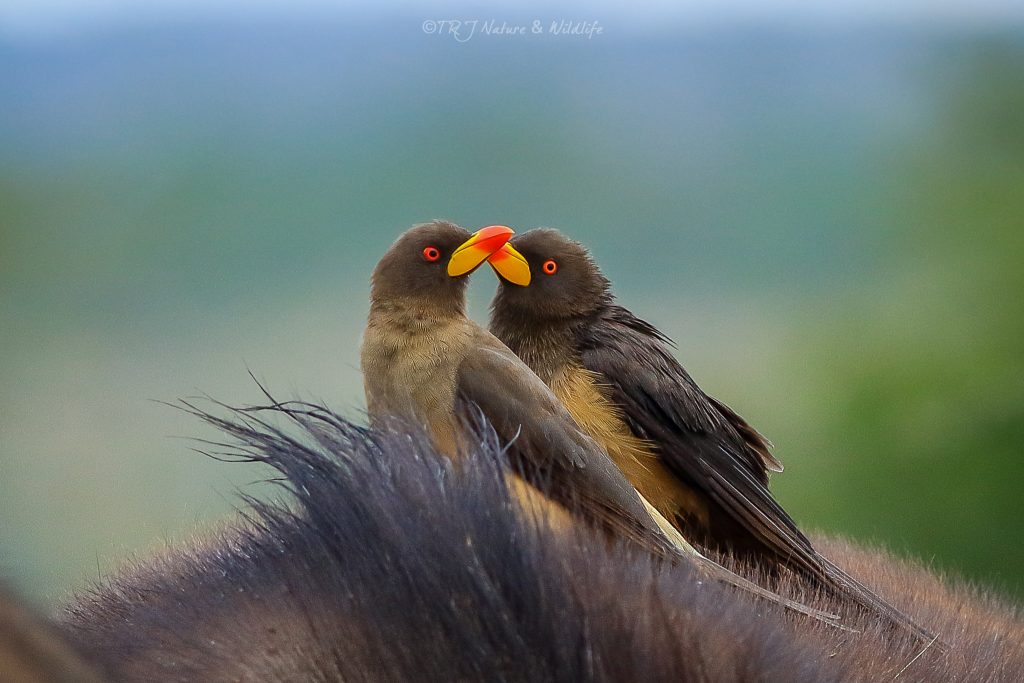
(849, 587)
(719, 573)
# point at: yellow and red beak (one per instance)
(478, 248)
(511, 265)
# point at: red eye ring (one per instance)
(431, 254)
(550, 267)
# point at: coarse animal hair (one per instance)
(391, 564)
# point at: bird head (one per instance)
(546, 275)
(432, 260)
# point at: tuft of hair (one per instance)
(386, 562)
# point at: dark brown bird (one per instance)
(694, 459)
(426, 363)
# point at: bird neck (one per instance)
(415, 315)
(545, 346)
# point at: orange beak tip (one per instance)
(481, 245)
(510, 265)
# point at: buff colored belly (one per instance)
(579, 390)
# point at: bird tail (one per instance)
(720, 573)
(850, 588)
(717, 572)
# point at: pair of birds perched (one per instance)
(589, 397)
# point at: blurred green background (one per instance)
(827, 216)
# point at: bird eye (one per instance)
(550, 267)
(431, 254)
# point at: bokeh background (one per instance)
(824, 207)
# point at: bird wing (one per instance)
(578, 472)
(547, 443)
(693, 408)
(700, 440)
(709, 447)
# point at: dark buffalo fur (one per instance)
(392, 565)
(33, 650)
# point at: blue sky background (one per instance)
(819, 201)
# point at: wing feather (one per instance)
(708, 446)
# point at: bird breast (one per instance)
(413, 376)
(586, 398)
